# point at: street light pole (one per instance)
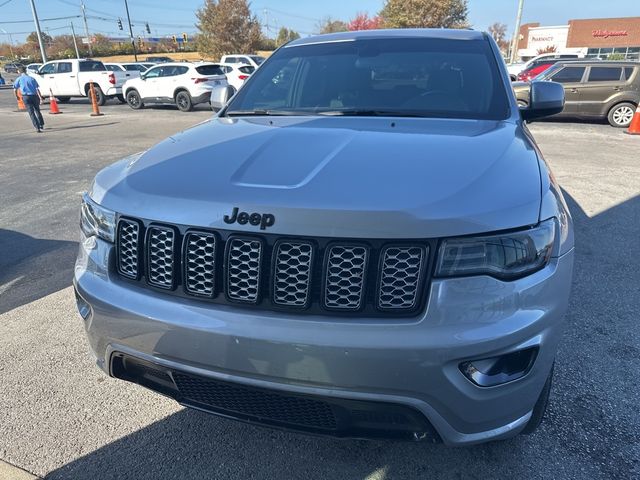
(516, 33)
(86, 28)
(133, 42)
(38, 32)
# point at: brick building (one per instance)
(594, 37)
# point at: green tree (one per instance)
(329, 25)
(285, 35)
(33, 38)
(227, 26)
(424, 14)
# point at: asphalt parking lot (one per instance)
(60, 417)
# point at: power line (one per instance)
(3, 4)
(43, 19)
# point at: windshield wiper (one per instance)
(370, 113)
(262, 113)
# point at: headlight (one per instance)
(505, 256)
(97, 220)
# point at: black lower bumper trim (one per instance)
(305, 413)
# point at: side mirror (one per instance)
(545, 99)
(220, 95)
(143, 76)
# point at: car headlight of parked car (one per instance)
(506, 256)
(96, 220)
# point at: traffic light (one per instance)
(146, 25)
(185, 39)
(174, 38)
(119, 24)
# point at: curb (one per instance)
(10, 472)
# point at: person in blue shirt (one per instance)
(31, 96)
(2, 82)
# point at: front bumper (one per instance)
(410, 363)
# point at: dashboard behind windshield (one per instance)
(420, 76)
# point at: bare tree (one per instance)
(424, 13)
(227, 26)
(499, 32)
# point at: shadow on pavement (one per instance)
(33, 269)
(591, 424)
(60, 129)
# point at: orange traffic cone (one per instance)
(94, 102)
(21, 106)
(53, 104)
(634, 126)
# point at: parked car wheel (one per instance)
(184, 102)
(134, 100)
(63, 99)
(101, 99)
(620, 116)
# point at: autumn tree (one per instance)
(285, 35)
(499, 32)
(329, 25)
(362, 21)
(424, 14)
(227, 26)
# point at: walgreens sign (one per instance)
(609, 33)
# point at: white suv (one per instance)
(182, 84)
(253, 60)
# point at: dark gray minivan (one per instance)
(593, 89)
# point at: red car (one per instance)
(533, 71)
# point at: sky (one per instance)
(177, 16)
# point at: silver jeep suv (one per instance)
(364, 242)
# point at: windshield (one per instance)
(398, 76)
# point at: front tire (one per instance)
(184, 102)
(620, 115)
(134, 100)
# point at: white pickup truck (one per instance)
(72, 78)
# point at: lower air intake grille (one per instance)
(243, 269)
(160, 251)
(256, 402)
(400, 277)
(128, 248)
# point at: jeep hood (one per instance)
(334, 176)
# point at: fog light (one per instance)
(489, 372)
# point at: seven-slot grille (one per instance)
(276, 272)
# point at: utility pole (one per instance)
(516, 33)
(43, 51)
(86, 28)
(75, 44)
(133, 40)
(10, 40)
